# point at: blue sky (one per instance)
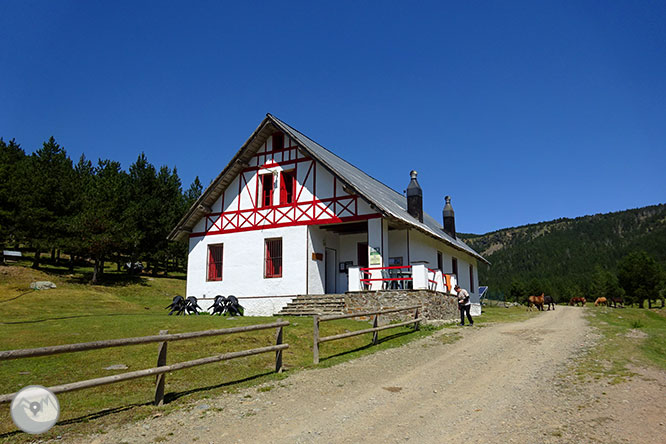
(521, 111)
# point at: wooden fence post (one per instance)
(278, 353)
(416, 316)
(315, 346)
(161, 361)
(375, 334)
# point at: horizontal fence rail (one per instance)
(96, 345)
(317, 319)
(163, 338)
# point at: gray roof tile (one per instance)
(382, 196)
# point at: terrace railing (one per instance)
(403, 277)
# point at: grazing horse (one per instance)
(577, 300)
(600, 301)
(615, 300)
(536, 301)
(548, 300)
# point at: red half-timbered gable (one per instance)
(261, 198)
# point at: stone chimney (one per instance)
(415, 198)
(449, 218)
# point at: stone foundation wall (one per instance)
(436, 306)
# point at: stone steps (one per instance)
(309, 305)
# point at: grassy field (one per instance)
(629, 337)
(134, 306)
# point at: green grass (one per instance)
(134, 306)
(630, 336)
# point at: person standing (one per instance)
(464, 305)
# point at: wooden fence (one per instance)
(374, 329)
(163, 338)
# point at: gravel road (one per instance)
(497, 384)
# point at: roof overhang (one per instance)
(240, 161)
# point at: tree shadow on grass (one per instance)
(365, 347)
(110, 279)
(58, 318)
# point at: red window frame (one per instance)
(215, 262)
(265, 198)
(471, 278)
(287, 186)
(273, 258)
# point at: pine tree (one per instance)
(45, 209)
(641, 278)
(11, 157)
(103, 219)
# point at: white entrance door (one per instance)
(331, 275)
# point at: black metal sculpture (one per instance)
(177, 306)
(219, 305)
(233, 307)
(191, 306)
(230, 305)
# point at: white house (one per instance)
(287, 217)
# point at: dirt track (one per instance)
(498, 384)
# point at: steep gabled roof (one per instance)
(386, 200)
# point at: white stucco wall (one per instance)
(425, 248)
(243, 269)
(348, 252)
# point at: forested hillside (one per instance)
(564, 256)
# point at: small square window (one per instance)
(215, 254)
(273, 258)
(265, 190)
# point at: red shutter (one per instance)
(211, 265)
(283, 187)
(287, 186)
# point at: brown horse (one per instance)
(616, 300)
(536, 301)
(577, 300)
(600, 301)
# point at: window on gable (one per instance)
(287, 187)
(273, 258)
(215, 253)
(265, 197)
(278, 141)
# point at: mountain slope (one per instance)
(561, 254)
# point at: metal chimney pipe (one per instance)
(449, 218)
(415, 198)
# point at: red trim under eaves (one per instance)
(290, 224)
